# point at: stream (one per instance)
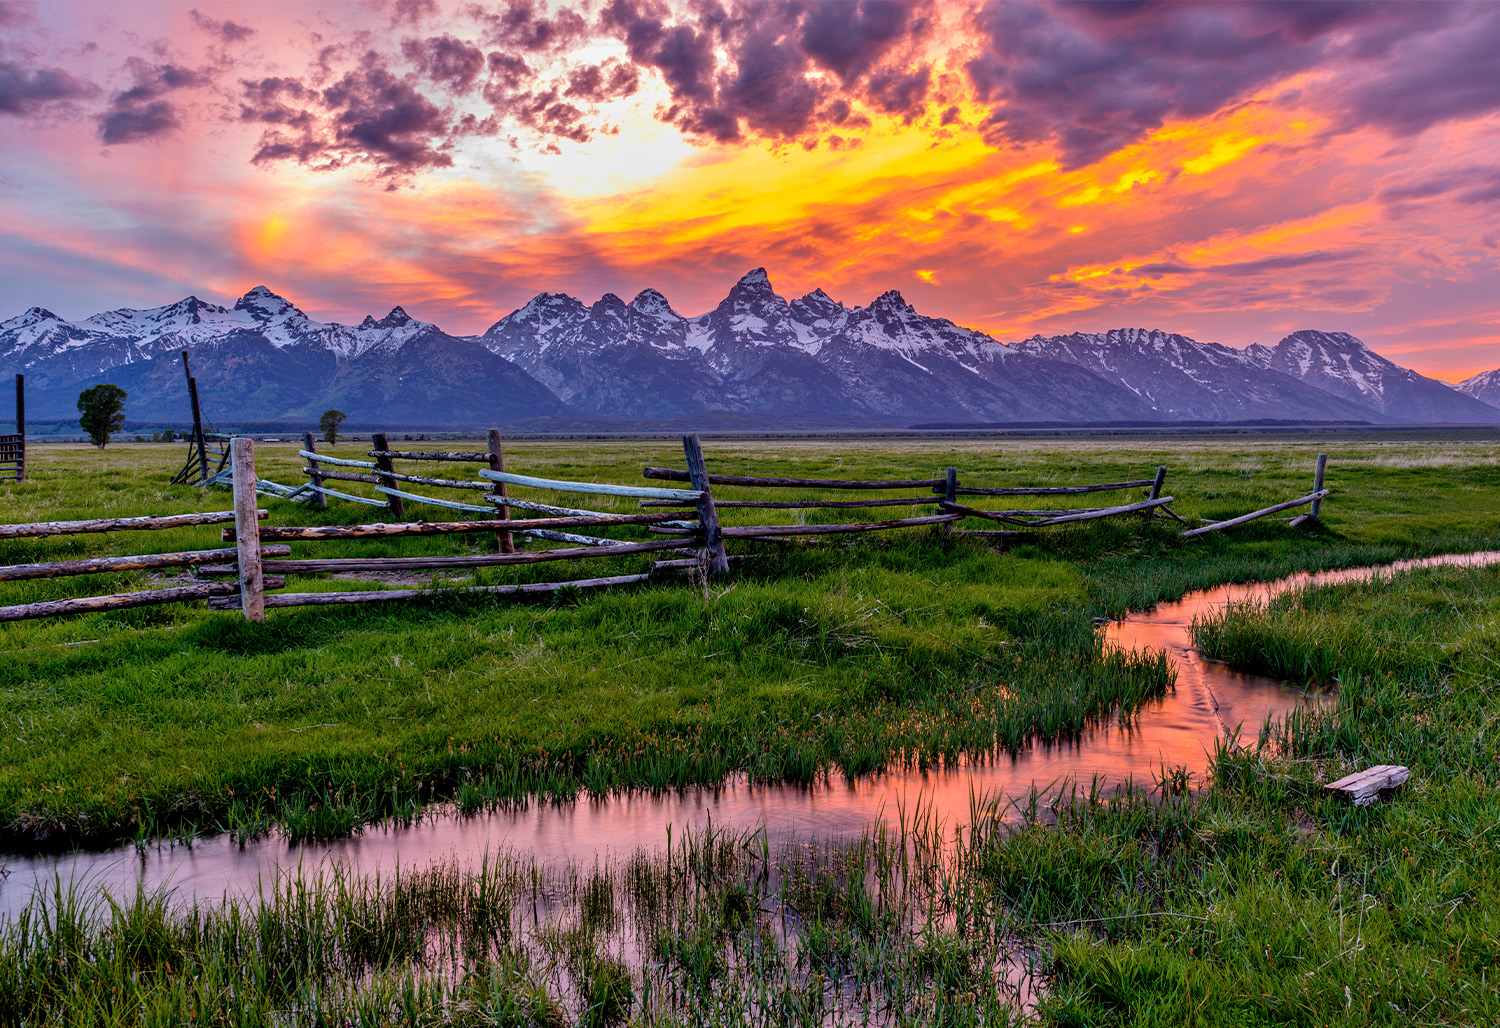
(1174, 730)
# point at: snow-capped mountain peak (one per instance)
(265, 306)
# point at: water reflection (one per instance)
(1174, 730)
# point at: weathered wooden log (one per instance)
(314, 470)
(566, 512)
(247, 530)
(902, 501)
(456, 456)
(342, 476)
(506, 541)
(400, 494)
(596, 488)
(90, 604)
(571, 537)
(673, 475)
(347, 496)
(1055, 490)
(192, 384)
(312, 454)
(385, 476)
(141, 524)
(383, 466)
(288, 533)
(485, 560)
(708, 518)
(1363, 787)
(1086, 515)
(143, 562)
(388, 595)
(1288, 505)
(761, 531)
(1316, 510)
(1156, 483)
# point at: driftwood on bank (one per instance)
(1288, 505)
(143, 562)
(141, 524)
(1363, 787)
(673, 475)
(116, 601)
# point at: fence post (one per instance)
(314, 475)
(1317, 505)
(393, 503)
(247, 530)
(708, 517)
(502, 511)
(1156, 484)
(192, 384)
(950, 494)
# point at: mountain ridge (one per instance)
(755, 354)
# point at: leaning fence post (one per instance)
(1317, 505)
(950, 495)
(502, 511)
(247, 530)
(708, 517)
(393, 503)
(314, 474)
(1156, 484)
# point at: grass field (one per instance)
(1256, 900)
(910, 647)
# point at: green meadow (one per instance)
(1250, 898)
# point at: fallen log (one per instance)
(1069, 518)
(1288, 505)
(288, 533)
(1362, 787)
(1053, 490)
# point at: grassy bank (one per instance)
(1256, 900)
(823, 658)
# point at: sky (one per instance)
(1232, 171)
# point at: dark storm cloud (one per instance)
(599, 83)
(369, 115)
(755, 68)
(520, 24)
(1095, 77)
(142, 112)
(25, 90)
(446, 60)
(226, 31)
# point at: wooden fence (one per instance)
(261, 557)
(13, 446)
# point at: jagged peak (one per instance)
(607, 302)
(369, 322)
(262, 304)
(1317, 337)
(653, 304)
(35, 314)
(755, 278)
(397, 316)
(891, 299)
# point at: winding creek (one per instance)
(1176, 729)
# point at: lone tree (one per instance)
(329, 423)
(102, 411)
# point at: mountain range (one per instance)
(756, 358)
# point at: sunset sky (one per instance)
(1232, 171)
